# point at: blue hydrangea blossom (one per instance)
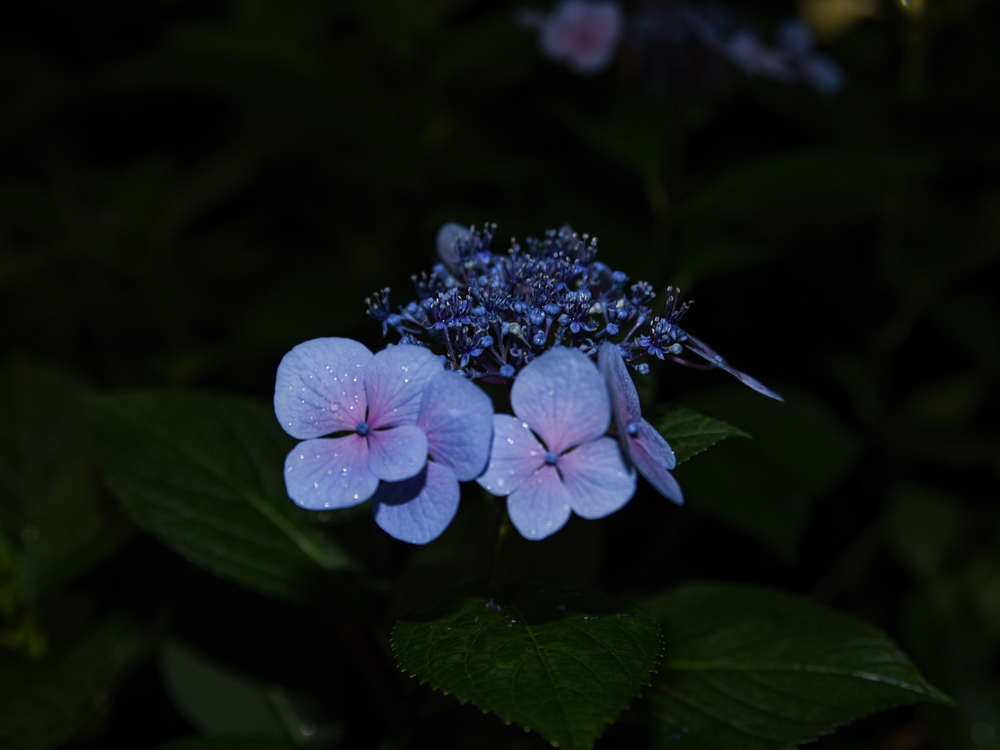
(457, 418)
(644, 446)
(368, 403)
(553, 457)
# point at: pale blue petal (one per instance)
(320, 387)
(457, 417)
(653, 458)
(329, 473)
(515, 455)
(597, 479)
(541, 506)
(651, 443)
(704, 350)
(624, 398)
(447, 235)
(562, 396)
(395, 380)
(397, 454)
(418, 509)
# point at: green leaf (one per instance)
(803, 186)
(218, 700)
(52, 511)
(689, 432)
(563, 664)
(749, 668)
(766, 485)
(225, 743)
(224, 703)
(44, 703)
(203, 473)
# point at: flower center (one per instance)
(362, 429)
(632, 429)
(551, 458)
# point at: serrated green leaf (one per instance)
(44, 703)
(690, 432)
(203, 473)
(563, 664)
(750, 668)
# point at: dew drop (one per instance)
(326, 505)
(316, 485)
(510, 441)
(356, 496)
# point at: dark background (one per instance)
(189, 189)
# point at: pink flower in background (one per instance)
(581, 33)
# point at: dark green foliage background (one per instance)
(188, 189)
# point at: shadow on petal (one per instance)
(419, 509)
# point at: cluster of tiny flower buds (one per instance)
(491, 314)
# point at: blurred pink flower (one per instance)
(582, 33)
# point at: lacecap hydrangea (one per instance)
(404, 426)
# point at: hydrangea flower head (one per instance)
(552, 458)
(582, 33)
(368, 403)
(644, 446)
(457, 418)
(492, 314)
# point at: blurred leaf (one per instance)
(753, 668)
(923, 527)
(971, 321)
(563, 664)
(220, 701)
(51, 506)
(44, 703)
(950, 402)
(689, 433)
(203, 473)
(225, 743)
(636, 137)
(825, 181)
(215, 699)
(765, 486)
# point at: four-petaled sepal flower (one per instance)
(369, 403)
(554, 458)
(644, 446)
